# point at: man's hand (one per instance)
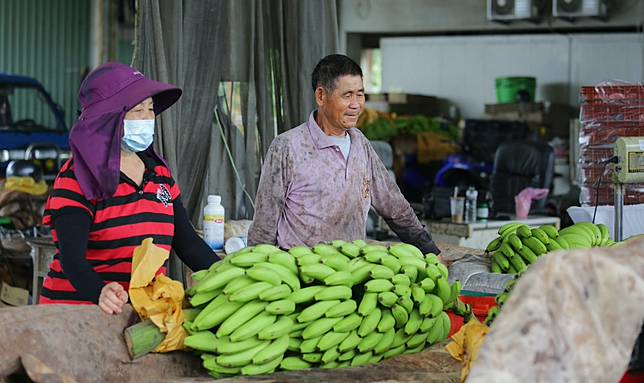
(112, 298)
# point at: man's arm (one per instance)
(271, 195)
(389, 202)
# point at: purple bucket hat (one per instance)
(105, 95)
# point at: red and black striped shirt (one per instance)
(118, 225)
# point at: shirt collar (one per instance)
(148, 161)
(320, 139)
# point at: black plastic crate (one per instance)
(481, 138)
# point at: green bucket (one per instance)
(508, 87)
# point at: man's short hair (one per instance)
(330, 68)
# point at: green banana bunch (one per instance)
(338, 304)
(518, 246)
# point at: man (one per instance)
(320, 178)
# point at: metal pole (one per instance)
(619, 206)
(98, 33)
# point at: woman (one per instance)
(114, 192)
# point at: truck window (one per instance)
(25, 109)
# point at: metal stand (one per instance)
(619, 207)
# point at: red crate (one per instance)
(607, 132)
(589, 174)
(634, 194)
(595, 155)
(480, 305)
(611, 93)
(611, 112)
(456, 322)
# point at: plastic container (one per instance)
(480, 303)
(457, 207)
(507, 89)
(483, 211)
(456, 322)
(213, 223)
(234, 244)
(471, 196)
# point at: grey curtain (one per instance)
(244, 67)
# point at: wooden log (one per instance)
(85, 344)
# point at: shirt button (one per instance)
(140, 192)
(337, 149)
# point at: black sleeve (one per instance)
(190, 248)
(72, 228)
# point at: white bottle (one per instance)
(213, 223)
(470, 205)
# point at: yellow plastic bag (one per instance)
(26, 185)
(466, 343)
(158, 298)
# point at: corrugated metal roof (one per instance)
(47, 40)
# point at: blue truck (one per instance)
(32, 125)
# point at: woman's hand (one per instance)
(112, 298)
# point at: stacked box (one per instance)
(608, 111)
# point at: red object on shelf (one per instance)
(456, 322)
(480, 305)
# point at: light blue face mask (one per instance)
(137, 135)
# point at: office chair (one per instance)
(518, 165)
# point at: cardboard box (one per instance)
(13, 296)
(527, 112)
(410, 104)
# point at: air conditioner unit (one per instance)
(579, 8)
(508, 10)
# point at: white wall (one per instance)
(463, 69)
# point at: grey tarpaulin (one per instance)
(268, 48)
(573, 317)
(248, 59)
(474, 273)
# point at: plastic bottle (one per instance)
(470, 204)
(213, 223)
(483, 211)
